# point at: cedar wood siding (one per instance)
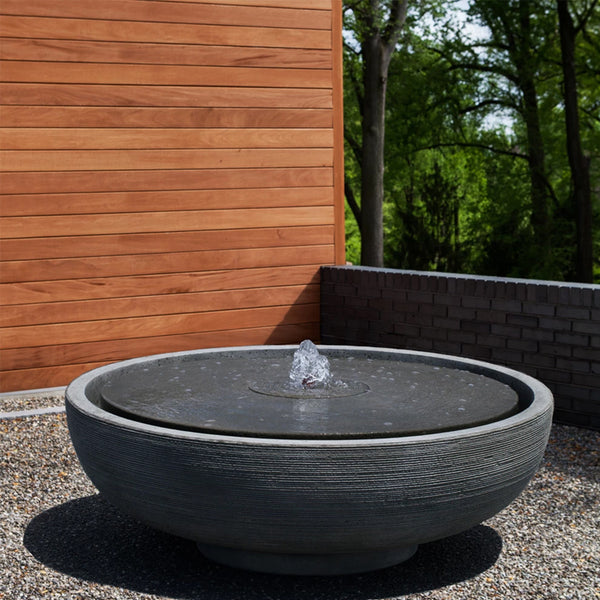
(171, 179)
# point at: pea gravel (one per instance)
(59, 539)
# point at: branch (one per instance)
(590, 113)
(353, 204)
(474, 66)
(489, 102)
(391, 33)
(512, 153)
(355, 146)
(356, 86)
(583, 19)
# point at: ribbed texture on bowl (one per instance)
(307, 497)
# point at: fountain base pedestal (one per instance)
(307, 564)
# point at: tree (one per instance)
(579, 163)
(376, 25)
(513, 60)
(479, 171)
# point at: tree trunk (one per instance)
(373, 134)
(540, 213)
(540, 201)
(580, 174)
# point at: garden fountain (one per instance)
(347, 465)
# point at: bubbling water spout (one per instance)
(309, 378)
(309, 368)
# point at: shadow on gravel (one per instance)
(89, 539)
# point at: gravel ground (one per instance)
(61, 540)
(31, 401)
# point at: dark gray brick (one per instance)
(420, 344)
(406, 329)
(355, 301)
(508, 331)
(467, 337)
(458, 312)
(537, 334)
(435, 310)
(587, 353)
(591, 327)
(589, 408)
(446, 347)
(419, 297)
(541, 360)
(572, 312)
(447, 299)
(446, 323)
(345, 289)
(572, 339)
(523, 320)
(585, 379)
(492, 341)
(533, 308)
(476, 326)
(525, 345)
(556, 349)
(382, 304)
(555, 324)
(477, 351)
(475, 302)
(506, 356)
(554, 375)
(506, 305)
(433, 333)
(406, 307)
(491, 316)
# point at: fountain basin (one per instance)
(308, 485)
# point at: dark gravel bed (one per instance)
(60, 539)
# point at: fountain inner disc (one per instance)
(283, 389)
(395, 398)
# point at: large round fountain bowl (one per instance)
(309, 506)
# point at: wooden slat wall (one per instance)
(171, 177)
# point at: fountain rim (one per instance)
(542, 400)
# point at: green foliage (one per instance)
(458, 187)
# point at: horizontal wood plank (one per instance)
(196, 158)
(102, 73)
(147, 117)
(82, 51)
(46, 204)
(70, 225)
(174, 262)
(103, 29)
(118, 181)
(196, 96)
(167, 304)
(315, 4)
(75, 359)
(146, 285)
(147, 243)
(111, 329)
(148, 139)
(174, 12)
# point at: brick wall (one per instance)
(550, 330)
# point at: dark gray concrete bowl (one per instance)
(320, 505)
